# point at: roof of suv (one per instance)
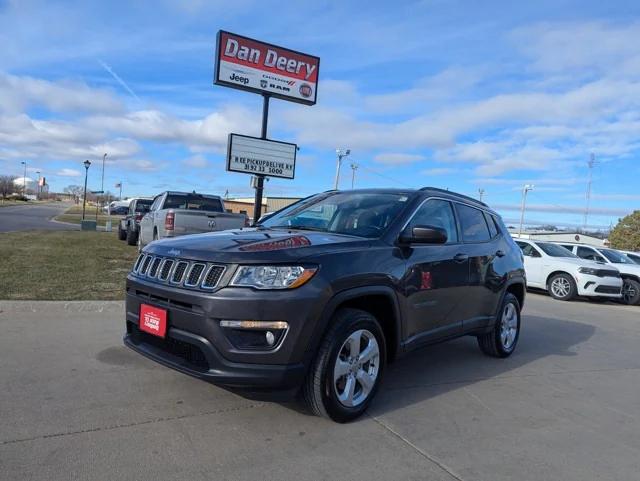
(429, 190)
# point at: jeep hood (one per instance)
(255, 245)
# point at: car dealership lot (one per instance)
(76, 404)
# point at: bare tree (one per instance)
(75, 190)
(6, 186)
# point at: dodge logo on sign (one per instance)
(246, 64)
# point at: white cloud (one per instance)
(197, 161)
(20, 92)
(392, 158)
(68, 173)
(439, 171)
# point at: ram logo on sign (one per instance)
(259, 67)
(251, 155)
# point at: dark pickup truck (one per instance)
(324, 293)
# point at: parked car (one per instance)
(321, 295)
(629, 270)
(634, 256)
(117, 207)
(174, 214)
(564, 275)
(128, 227)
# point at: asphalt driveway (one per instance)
(33, 217)
(76, 404)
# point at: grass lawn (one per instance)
(73, 215)
(63, 265)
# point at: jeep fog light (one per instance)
(254, 335)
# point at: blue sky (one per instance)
(455, 94)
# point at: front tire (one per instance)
(562, 287)
(503, 338)
(346, 372)
(631, 292)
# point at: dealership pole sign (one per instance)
(262, 68)
(247, 64)
(251, 155)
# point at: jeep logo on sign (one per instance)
(239, 79)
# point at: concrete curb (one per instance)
(50, 307)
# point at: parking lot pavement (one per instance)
(33, 217)
(76, 404)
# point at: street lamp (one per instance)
(525, 189)
(354, 167)
(341, 154)
(87, 163)
(24, 178)
(38, 187)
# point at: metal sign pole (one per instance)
(257, 208)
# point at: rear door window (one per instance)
(473, 224)
(493, 230)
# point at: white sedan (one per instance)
(564, 275)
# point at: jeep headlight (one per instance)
(272, 277)
(588, 270)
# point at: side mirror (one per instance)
(424, 234)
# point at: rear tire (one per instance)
(132, 237)
(122, 235)
(347, 370)
(562, 287)
(503, 338)
(631, 292)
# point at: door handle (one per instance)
(500, 253)
(460, 257)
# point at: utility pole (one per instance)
(590, 164)
(38, 186)
(354, 167)
(525, 189)
(341, 154)
(480, 193)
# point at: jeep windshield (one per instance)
(351, 213)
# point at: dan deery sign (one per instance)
(251, 155)
(263, 68)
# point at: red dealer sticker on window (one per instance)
(153, 320)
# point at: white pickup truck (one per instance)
(174, 214)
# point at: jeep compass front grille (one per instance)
(178, 272)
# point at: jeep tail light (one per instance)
(169, 220)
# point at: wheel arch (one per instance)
(555, 273)
(630, 276)
(379, 301)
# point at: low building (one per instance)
(562, 236)
(242, 206)
(269, 204)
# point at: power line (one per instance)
(386, 177)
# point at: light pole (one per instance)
(87, 163)
(525, 189)
(354, 167)
(38, 187)
(341, 154)
(24, 178)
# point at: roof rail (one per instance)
(455, 194)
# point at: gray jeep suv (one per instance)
(320, 296)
